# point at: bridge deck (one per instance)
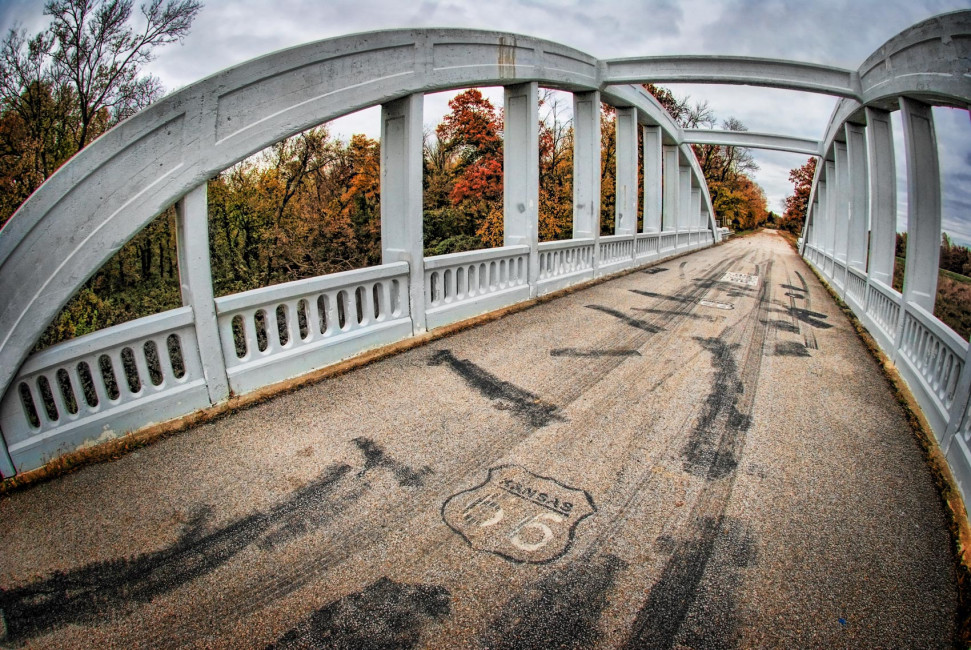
(664, 471)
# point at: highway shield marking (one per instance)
(744, 279)
(518, 515)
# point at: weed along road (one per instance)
(699, 454)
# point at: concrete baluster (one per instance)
(521, 173)
(401, 196)
(923, 204)
(652, 178)
(882, 195)
(195, 281)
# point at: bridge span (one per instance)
(700, 453)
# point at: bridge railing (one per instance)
(275, 333)
(564, 263)
(107, 193)
(235, 344)
(103, 385)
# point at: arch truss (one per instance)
(198, 355)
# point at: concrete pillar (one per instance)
(819, 211)
(857, 177)
(841, 217)
(402, 239)
(652, 178)
(684, 198)
(672, 180)
(809, 228)
(695, 213)
(521, 173)
(625, 222)
(195, 282)
(882, 173)
(923, 204)
(586, 165)
(832, 192)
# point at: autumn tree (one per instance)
(65, 86)
(555, 170)
(608, 168)
(463, 177)
(736, 198)
(798, 203)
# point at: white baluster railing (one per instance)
(462, 285)
(564, 263)
(279, 332)
(103, 385)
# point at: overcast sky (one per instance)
(833, 32)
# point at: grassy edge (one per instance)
(951, 499)
(113, 450)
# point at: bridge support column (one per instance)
(856, 176)
(195, 280)
(883, 195)
(625, 221)
(521, 173)
(586, 170)
(684, 199)
(842, 216)
(807, 230)
(6, 464)
(832, 194)
(820, 218)
(652, 178)
(671, 180)
(923, 204)
(695, 214)
(401, 196)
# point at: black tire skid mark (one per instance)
(385, 614)
(343, 542)
(594, 544)
(593, 547)
(584, 376)
(638, 490)
(701, 542)
(109, 589)
(660, 620)
(357, 538)
(810, 334)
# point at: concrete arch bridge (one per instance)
(611, 496)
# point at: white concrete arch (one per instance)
(110, 190)
(753, 140)
(165, 154)
(734, 70)
(851, 222)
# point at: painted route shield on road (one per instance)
(519, 515)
